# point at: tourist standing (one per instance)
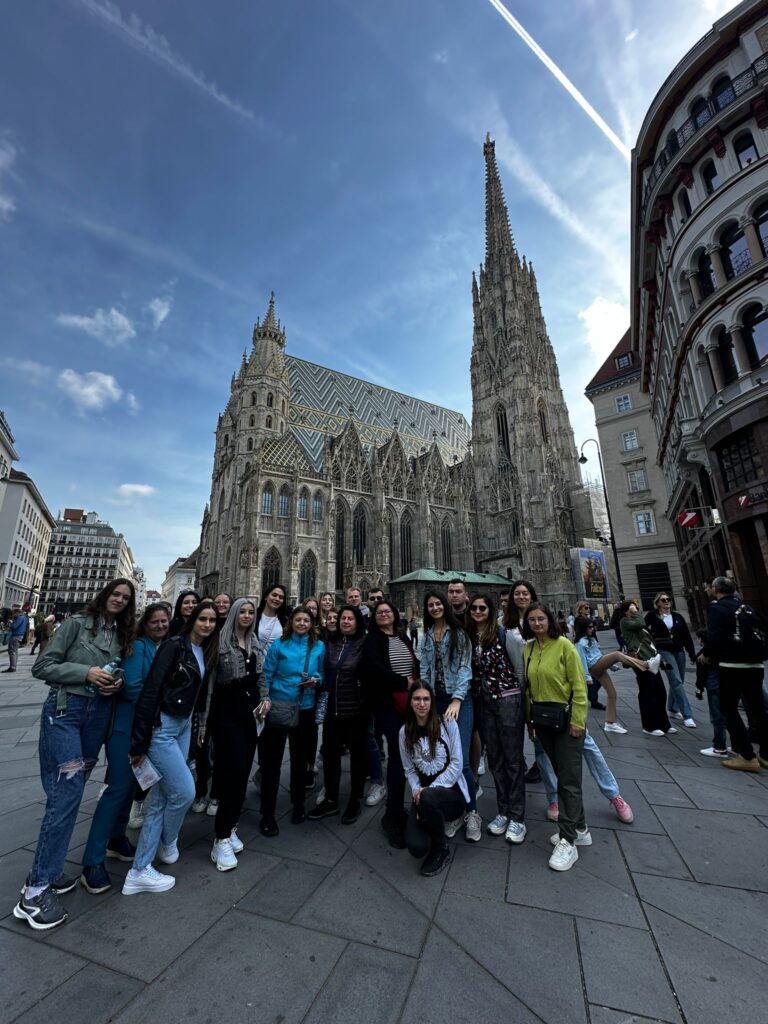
(185, 605)
(672, 639)
(651, 695)
(18, 636)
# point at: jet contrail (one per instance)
(566, 83)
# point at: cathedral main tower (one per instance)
(531, 506)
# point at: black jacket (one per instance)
(676, 639)
(380, 683)
(342, 676)
(721, 625)
(172, 686)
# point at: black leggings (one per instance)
(425, 829)
(233, 730)
(352, 733)
(271, 750)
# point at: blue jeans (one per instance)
(113, 809)
(70, 741)
(716, 717)
(465, 724)
(14, 642)
(374, 755)
(172, 796)
(677, 699)
(596, 763)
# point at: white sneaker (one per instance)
(478, 792)
(671, 731)
(676, 714)
(223, 855)
(713, 752)
(515, 832)
(452, 827)
(583, 838)
(146, 880)
(199, 805)
(169, 854)
(564, 856)
(321, 795)
(376, 794)
(614, 727)
(498, 826)
(481, 769)
(237, 842)
(474, 829)
(213, 806)
(654, 732)
(653, 666)
(136, 819)
(689, 723)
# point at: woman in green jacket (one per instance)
(651, 695)
(554, 674)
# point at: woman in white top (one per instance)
(271, 617)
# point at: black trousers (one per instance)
(502, 727)
(352, 733)
(652, 698)
(389, 724)
(744, 684)
(424, 830)
(271, 750)
(566, 752)
(233, 729)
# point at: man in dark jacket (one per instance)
(740, 676)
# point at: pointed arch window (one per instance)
(307, 576)
(391, 539)
(249, 444)
(543, 425)
(367, 483)
(253, 398)
(351, 479)
(446, 546)
(221, 502)
(317, 508)
(336, 475)
(302, 505)
(251, 421)
(269, 422)
(396, 487)
(410, 491)
(270, 399)
(406, 544)
(502, 430)
(267, 499)
(339, 547)
(284, 502)
(359, 534)
(270, 574)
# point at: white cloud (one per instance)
(132, 402)
(92, 391)
(136, 490)
(8, 154)
(631, 36)
(605, 322)
(112, 327)
(441, 57)
(31, 371)
(159, 309)
(152, 44)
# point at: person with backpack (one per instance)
(736, 642)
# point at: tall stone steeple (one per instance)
(531, 507)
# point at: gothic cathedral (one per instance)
(322, 481)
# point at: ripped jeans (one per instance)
(70, 741)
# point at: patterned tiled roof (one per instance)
(323, 400)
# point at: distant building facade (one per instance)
(700, 298)
(180, 575)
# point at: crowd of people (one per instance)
(187, 699)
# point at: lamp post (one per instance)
(583, 460)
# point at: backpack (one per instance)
(749, 635)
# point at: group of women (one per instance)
(184, 702)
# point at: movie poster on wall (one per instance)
(590, 574)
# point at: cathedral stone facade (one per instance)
(322, 481)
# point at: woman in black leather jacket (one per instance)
(161, 733)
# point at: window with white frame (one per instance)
(636, 480)
(645, 524)
(623, 403)
(629, 440)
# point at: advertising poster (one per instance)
(590, 574)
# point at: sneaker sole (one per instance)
(92, 890)
(515, 840)
(223, 867)
(132, 888)
(21, 915)
(311, 816)
(120, 856)
(474, 839)
(564, 867)
(496, 831)
(168, 860)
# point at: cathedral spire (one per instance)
(270, 320)
(499, 242)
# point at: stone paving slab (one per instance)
(660, 921)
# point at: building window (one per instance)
(270, 399)
(756, 334)
(284, 503)
(727, 358)
(359, 535)
(502, 430)
(307, 576)
(406, 545)
(636, 480)
(700, 112)
(706, 275)
(270, 575)
(629, 440)
(734, 251)
(249, 444)
(740, 461)
(623, 403)
(710, 177)
(624, 361)
(266, 500)
(446, 546)
(251, 421)
(761, 223)
(644, 523)
(684, 204)
(253, 398)
(340, 543)
(317, 509)
(301, 505)
(722, 93)
(543, 423)
(269, 423)
(745, 149)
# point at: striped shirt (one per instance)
(400, 657)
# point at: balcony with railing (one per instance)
(719, 101)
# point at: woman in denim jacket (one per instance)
(446, 668)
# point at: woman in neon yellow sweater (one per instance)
(554, 674)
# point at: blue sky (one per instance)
(165, 165)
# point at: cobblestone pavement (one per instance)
(661, 920)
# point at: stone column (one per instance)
(740, 349)
(693, 280)
(716, 366)
(747, 224)
(713, 251)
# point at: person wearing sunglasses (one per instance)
(673, 639)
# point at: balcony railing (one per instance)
(741, 84)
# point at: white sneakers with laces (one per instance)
(498, 826)
(168, 854)
(564, 856)
(237, 842)
(474, 827)
(515, 832)
(376, 794)
(146, 880)
(223, 855)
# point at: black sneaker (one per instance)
(351, 813)
(298, 816)
(597, 706)
(395, 834)
(533, 774)
(121, 849)
(60, 885)
(268, 827)
(435, 861)
(95, 879)
(323, 810)
(41, 912)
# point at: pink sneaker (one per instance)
(623, 810)
(553, 812)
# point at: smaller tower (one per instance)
(264, 398)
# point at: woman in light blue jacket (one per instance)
(446, 668)
(293, 669)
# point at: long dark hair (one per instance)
(412, 727)
(149, 611)
(489, 632)
(552, 631)
(282, 611)
(580, 626)
(210, 645)
(178, 621)
(512, 615)
(449, 617)
(125, 621)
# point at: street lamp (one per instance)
(583, 460)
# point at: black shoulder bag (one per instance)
(284, 714)
(549, 715)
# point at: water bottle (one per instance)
(110, 668)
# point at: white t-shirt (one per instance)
(269, 631)
(197, 650)
(667, 621)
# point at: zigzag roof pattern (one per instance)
(323, 400)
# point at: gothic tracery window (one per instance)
(406, 544)
(359, 534)
(270, 574)
(307, 576)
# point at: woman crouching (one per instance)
(430, 749)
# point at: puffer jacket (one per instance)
(342, 683)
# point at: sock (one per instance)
(32, 891)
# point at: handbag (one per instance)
(551, 716)
(284, 714)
